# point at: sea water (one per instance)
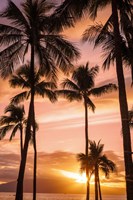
(28, 196)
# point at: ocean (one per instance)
(28, 196)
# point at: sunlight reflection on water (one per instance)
(28, 196)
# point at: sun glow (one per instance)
(79, 178)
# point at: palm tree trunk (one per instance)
(96, 183)
(35, 160)
(21, 140)
(99, 188)
(123, 105)
(86, 147)
(19, 189)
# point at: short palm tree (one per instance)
(23, 80)
(29, 36)
(80, 87)
(15, 121)
(85, 163)
(96, 161)
(100, 162)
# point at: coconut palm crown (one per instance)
(22, 79)
(29, 26)
(14, 122)
(96, 161)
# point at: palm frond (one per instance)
(107, 165)
(91, 33)
(9, 57)
(16, 112)
(90, 104)
(50, 95)
(4, 130)
(15, 129)
(69, 95)
(4, 29)
(6, 39)
(62, 51)
(103, 89)
(67, 83)
(97, 5)
(19, 81)
(95, 149)
(20, 97)
(5, 120)
(47, 65)
(82, 158)
(68, 12)
(13, 13)
(84, 77)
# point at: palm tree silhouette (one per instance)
(100, 162)
(80, 87)
(96, 161)
(86, 163)
(103, 36)
(15, 121)
(72, 9)
(42, 88)
(28, 35)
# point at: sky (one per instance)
(61, 128)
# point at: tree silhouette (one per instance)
(72, 9)
(15, 121)
(28, 35)
(96, 161)
(80, 87)
(23, 80)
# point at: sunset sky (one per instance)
(61, 127)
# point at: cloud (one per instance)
(50, 165)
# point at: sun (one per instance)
(79, 178)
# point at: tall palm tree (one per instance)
(23, 80)
(122, 98)
(80, 87)
(72, 9)
(97, 161)
(28, 35)
(14, 122)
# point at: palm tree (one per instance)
(80, 87)
(97, 161)
(28, 35)
(103, 36)
(23, 80)
(13, 122)
(72, 9)
(100, 162)
(122, 99)
(85, 163)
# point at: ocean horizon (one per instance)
(56, 196)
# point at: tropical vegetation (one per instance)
(90, 8)
(29, 33)
(80, 87)
(22, 79)
(15, 121)
(34, 50)
(96, 162)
